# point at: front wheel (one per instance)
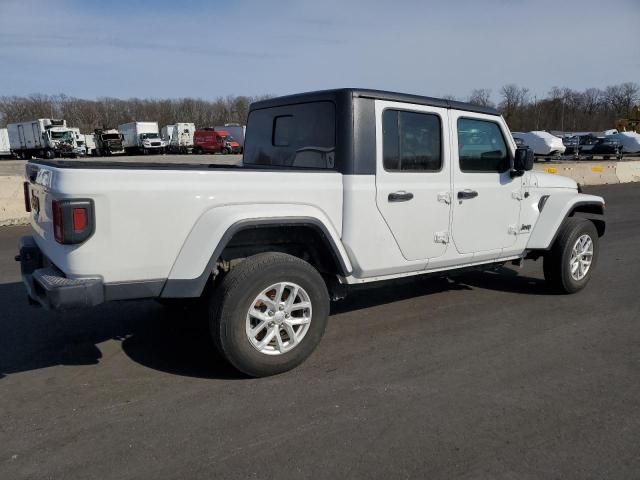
(269, 313)
(569, 264)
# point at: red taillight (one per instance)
(58, 226)
(79, 219)
(27, 200)
(73, 220)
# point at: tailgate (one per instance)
(39, 196)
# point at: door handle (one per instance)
(467, 194)
(401, 196)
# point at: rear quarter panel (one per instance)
(144, 217)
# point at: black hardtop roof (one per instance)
(374, 94)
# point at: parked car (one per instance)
(210, 140)
(629, 141)
(590, 145)
(345, 187)
(542, 143)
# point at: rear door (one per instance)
(413, 181)
(486, 205)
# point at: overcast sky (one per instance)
(178, 48)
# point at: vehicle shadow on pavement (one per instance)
(504, 280)
(177, 341)
(389, 291)
(156, 337)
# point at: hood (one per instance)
(551, 180)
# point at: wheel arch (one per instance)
(555, 211)
(249, 236)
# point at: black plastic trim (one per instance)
(133, 290)
(70, 236)
(188, 288)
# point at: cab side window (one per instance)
(481, 146)
(411, 141)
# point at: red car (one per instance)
(209, 140)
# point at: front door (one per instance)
(486, 205)
(413, 181)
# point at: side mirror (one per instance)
(523, 159)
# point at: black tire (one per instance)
(557, 262)
(49, 154)
(197, 150)
(232, 299)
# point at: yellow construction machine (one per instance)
(631, 124)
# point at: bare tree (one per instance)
(482, 97)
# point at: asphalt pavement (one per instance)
(486, 375)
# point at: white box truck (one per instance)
(5, 149)
(45, 137)
(80, 147)
(141, 137)
(167, 132)
(181, 140)
(90, 143)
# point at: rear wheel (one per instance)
(269, 313)
(569, 264)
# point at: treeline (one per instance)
(561, 109)
(111, 112)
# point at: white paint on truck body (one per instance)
(144, 218)
(163, 223)
(5, 148)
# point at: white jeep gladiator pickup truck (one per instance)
(336, 188)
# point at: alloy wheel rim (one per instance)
(279, 318)
(581, 257)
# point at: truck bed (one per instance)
(107, 163)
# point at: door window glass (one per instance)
(481, 146)
(411, 141)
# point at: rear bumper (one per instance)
(49, 287)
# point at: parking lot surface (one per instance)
(485, 375)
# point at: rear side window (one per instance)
(301, 136)
(411, 141)
(481, 146)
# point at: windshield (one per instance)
(111, 136)
(66, 136)
(149, 135)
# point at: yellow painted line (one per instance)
(597, 169)
(551, 170)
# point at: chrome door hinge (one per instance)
(513, 230)
(516, 195)
(444, 197)
(441, 237)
